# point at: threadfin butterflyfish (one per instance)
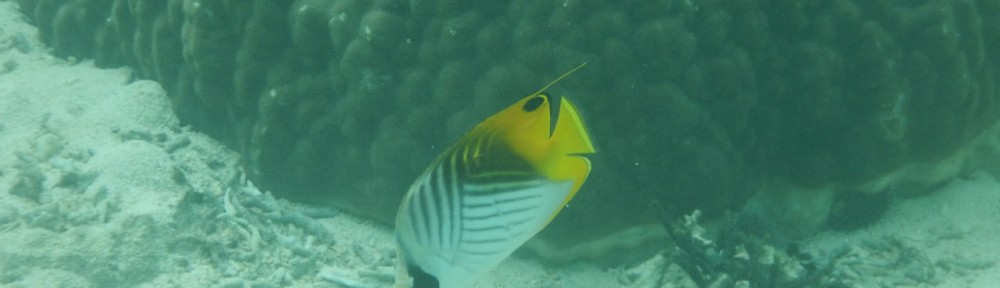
(491, 191)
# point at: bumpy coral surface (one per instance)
(691, 103)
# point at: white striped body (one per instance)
(471, 209)
(492, 191)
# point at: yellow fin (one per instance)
(571, 131)
(564, 75)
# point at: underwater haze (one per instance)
(187, 143)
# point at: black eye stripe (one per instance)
(534, 103)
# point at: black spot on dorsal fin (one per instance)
(534, 103)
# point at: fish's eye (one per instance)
(534, 103)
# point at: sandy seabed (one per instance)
(101, 186)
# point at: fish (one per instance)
(491, 191)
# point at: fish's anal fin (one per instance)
(422, 279)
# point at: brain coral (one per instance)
(692, 103)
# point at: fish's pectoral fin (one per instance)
(572, 132)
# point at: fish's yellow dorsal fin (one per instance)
(564, 75)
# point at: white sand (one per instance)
(952, 234)
(100, 186)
